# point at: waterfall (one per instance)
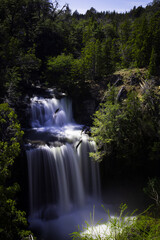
(49, 112)
(62, 176)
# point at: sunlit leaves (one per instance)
(126, 130)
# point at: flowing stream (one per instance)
(64, 182)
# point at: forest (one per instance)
(110, 58)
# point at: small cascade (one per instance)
(90, 170)
(46, 112)
(62, 176)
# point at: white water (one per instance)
(63, 180)
(44, 112)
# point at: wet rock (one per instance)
(32, 136)
(89, 106)
(83, 110)
(35, 142)
(55, 144)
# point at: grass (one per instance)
(141, 73)
(122, 227)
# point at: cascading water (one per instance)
(62, 176)
(50, 112)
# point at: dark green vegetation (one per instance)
(128, 131)
(41, 44)
(12, 220)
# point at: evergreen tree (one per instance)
(152, 69)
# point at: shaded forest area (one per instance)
(43, 45)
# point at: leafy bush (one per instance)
(12, 220)
(59, 70)
(66, 72)
(126, 131)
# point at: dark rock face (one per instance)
(83, 110)
(89, 106)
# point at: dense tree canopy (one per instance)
(33, 32)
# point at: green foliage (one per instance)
(145, 227)
(123, 227)
(13, 80)
(105, 125)
(155, 32)
(12, 220)
(92, 59)
(126, 131)
(96, 53)
(34, 31)
(73, 78)
(28, 29)
(141, 50)
(60, 69)
(153, 190)
(29, 66)
(152, 69)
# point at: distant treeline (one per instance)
(41, 43)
